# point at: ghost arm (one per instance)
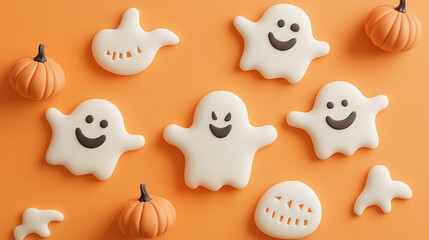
(176, 135)
(54, 117)
(264, 135)
(133, 142)
(298, 119)
(243, 25)
(321, 49)
(164, 37)
(379, 102)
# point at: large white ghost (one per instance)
(342, 120)
(280, 44)
(91, 139)
(220, 145)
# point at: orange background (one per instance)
(205, 60)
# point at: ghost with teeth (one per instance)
(280, 44)
(342, 120)
(91, 139)
(220, 145)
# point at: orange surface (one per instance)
(206, 59)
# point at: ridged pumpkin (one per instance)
(37, 78)
(146, 217)
(393, 29)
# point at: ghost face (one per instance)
(221, 116)
(218, 131)
(91, 142)
(285, 27)
(283, 45)
(340, 124)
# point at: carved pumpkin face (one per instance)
(288, 210)
(128, 49)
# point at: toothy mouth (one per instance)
(281, 45)
(220, 132)
(89, 142)
(341, 124)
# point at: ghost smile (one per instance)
(341, 124)
(281, 45)
(89, 142)
(220, 132)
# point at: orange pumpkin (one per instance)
(146, 217)
(37, 78)
(393, 29)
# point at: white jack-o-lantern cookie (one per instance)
(220, 145)
(380, 190)
(128, 49)
(91, 139)
(342, 120)
(288, 210)
(36, 221)
(280, 44)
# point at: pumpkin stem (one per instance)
(401, 7)
(41, 57)
(145, 196)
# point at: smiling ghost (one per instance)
(129, 49)
(91, 139)
(280, 44)
(342, 120)
(220, 145)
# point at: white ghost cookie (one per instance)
(220, 145)
(280, 44)
(128, 49)
(288, 210)
(91, 139)
(36, 221)
(380, 190)
(342, 120)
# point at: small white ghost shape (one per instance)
(342, 120)
(36, 221)
(91, 139)
(380, 190)
(280, 44)
(220, 145)
(128, 49)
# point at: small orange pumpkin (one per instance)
(37, 78)
(393, 29)
(146, 217)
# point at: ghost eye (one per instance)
(104, 123)
(330, 105)
(228, 117)
(89, 119)
(294, 27)
(345, 102)
(281, 23)
(214, 117)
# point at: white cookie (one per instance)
(36, 221)
(128, 49)
(342, 120)
(91, 139)
(220, 145)
(280, 44)
(288, 210)
(380, 190)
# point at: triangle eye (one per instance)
(228, 117)
(214, 117)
